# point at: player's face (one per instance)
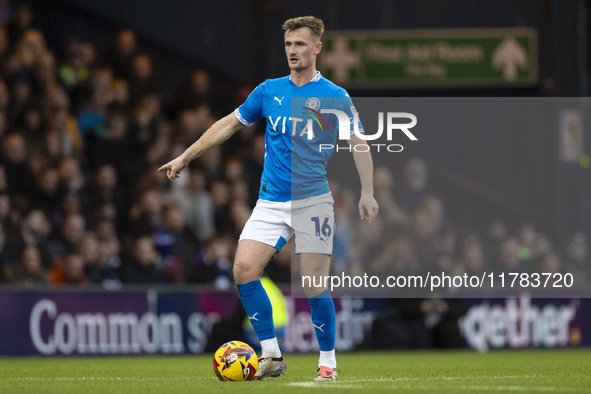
(301, 49)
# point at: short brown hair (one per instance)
(316, 25)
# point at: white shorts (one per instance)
(311, 220)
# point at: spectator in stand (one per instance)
(89, 250)
(4, 252)
(142, 124)
(119, 95)
(22, 19)
(239, 212)
(550, 263)
(144, 265)
(109, 243)
(119, 58)
(61, 122)
(233, 170)
(30, 126)
(394, 215)
(527, 238)
(5, 12)
(4, 100)
(472, 259)
(541, 246)
(93, 101)
(142, 80)
(108, 211)
(45, 74)
(144, 215)
(197, 91)
(398, 257)
(424, 226)
(111, 146)
(154, 123)
(21, 93)
(3, 124)
(239, 192)
(88, 54)
(205, 117)
(509, 256)
(27, 54)
(444, 247)
(28, 269)
(253, 166)
(104, 190)
(3, 180)
(101, 266)
(76, 69)
(48, 195)
(211, 162)
(434, 207)
(64, 207)
(496, 232)
(72, 204)
(189, 127)
(70, 174)
(196, 203)
(175, 243)
(433, 322)
(4, 47)
(144, 175)
(19, 175)
(414, 191)
(69, 270)
(70, 236)
(345, 212)
(220, 197)
(369, 240)
(149, 141)
(577, 258)
(8, 217)
(212, 264)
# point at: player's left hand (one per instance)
(368, 207)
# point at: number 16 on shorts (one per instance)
(322, 226)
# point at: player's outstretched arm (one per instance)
(218, 133)
(368, 206)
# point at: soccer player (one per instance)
(294, 198)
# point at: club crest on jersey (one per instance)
(313, 103)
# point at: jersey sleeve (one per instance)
(251, 110)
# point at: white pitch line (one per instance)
(436, 378)
(93, 378)
(353, 384)
(326, 385)
(337, 385)
(518, 388)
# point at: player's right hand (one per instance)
(173, 168)
(368, 208)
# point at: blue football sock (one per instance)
(323, 318)
(258, 307)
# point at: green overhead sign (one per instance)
(462, 57)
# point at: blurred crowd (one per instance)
(82, 135)
(412, 234)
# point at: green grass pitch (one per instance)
(444, 371)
